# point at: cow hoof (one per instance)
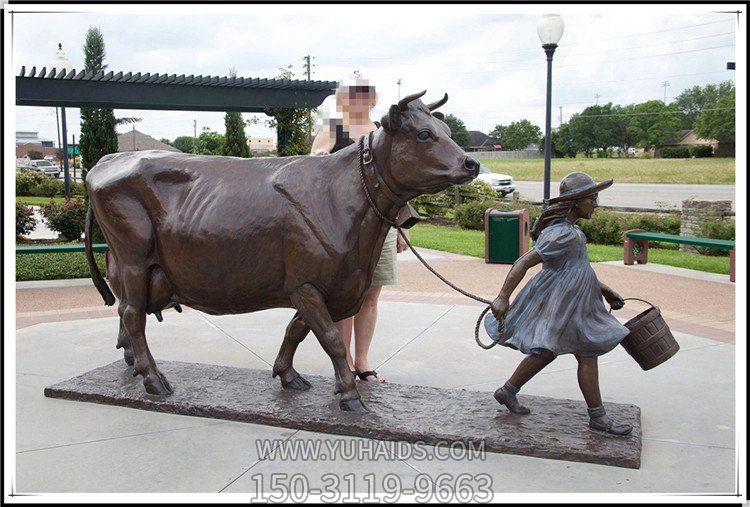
(293, 380)
(354, 405)
(157, 384)
(298, 383)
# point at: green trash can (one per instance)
(506, 235)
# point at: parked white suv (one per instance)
(46, 167)
(500, 183)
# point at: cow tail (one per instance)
(96, 275)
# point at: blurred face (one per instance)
(587, 205)
(356, 99)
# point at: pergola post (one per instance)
(66, 170)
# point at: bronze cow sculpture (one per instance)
(227, 235)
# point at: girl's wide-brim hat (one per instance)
(577, 186)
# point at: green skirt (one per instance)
(385, 271)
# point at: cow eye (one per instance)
(424, 135)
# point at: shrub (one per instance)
(69, 218)
(49, 188)
(26, 180)
(76, 188)
(604, 227)
(470, 215)
(607, 227)
(675, 152)
(716, 229)
(701, 151)
(25, 221)
(645, 154)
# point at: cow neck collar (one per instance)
(371, 178)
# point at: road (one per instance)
(639, 195)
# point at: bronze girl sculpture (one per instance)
(560, 310)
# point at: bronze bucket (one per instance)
(650, 341)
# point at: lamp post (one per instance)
(550, 30)
(61, 64)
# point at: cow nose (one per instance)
(472, 165)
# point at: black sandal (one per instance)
(363, 376)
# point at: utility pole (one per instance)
(665, 84)
(74, 158)
(57, 119)
(596, 95)
(307, 66)
(399, 88)
(560, 115)
(195, 129)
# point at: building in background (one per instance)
(30, 137)
(134, 140)
(261, 145)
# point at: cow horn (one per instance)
(437, 104)
(403, 103)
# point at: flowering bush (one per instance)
(26, 180)
(25, 221)
(69, 219)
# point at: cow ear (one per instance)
(392, 121)
(440, 116)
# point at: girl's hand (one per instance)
(614, 300)
(500, 306)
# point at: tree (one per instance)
(496, 136)
(209, 143)
(459, 134)
(693, 100)
(562, 143)
(184, 143)
(718, 122)
(98, 133)
(166, 141)
(519, 135)
(235, 143)
(293, 125)
(35, 155)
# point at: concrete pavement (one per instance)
(424, 336)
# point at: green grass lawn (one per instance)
(467, 242)
(41, 201)
(622, 170)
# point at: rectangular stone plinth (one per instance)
(555, 429)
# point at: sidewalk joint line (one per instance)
(214, 325)
(418, 335)
(97, 440)
(262, 458)
(668, 441)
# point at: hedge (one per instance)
(675, 152)
(701, 151)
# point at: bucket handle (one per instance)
(635, 299)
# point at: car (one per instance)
(500, 183)
(46, 167)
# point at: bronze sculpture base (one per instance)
(556, 428)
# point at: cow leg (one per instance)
(135, 285)
(123, 339)
(295, 333)
(310, 304)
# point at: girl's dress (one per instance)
(561, 308)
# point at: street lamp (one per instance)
(550, 30)
(62, 65)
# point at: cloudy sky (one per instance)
(488, 58)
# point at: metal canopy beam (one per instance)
(163, 92)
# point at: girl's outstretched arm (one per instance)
(517, 272)
(612, 297)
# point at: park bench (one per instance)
(636, 246)
(99, 248)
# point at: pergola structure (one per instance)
(120, 90)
